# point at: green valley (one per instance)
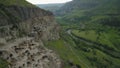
(86, 35)
(90, 35)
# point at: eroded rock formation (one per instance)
(26, 53)
(22, 32)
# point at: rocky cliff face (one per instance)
(28, 21)
(22, 32)
(27, 53)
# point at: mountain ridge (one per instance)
(77, 10)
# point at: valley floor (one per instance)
(81, 50)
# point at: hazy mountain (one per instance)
(51, 7)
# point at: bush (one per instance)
(3, 63)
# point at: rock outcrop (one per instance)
(26, 53)
(22, 32)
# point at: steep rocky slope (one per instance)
(27, 53)
(23, 29)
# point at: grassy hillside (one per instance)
(79, 5)
(16, 2)
(104, 12)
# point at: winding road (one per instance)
(98, 46)
(69, 32)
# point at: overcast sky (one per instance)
(47, 1)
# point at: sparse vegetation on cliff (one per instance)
(23, 3)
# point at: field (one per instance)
(106, 38)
